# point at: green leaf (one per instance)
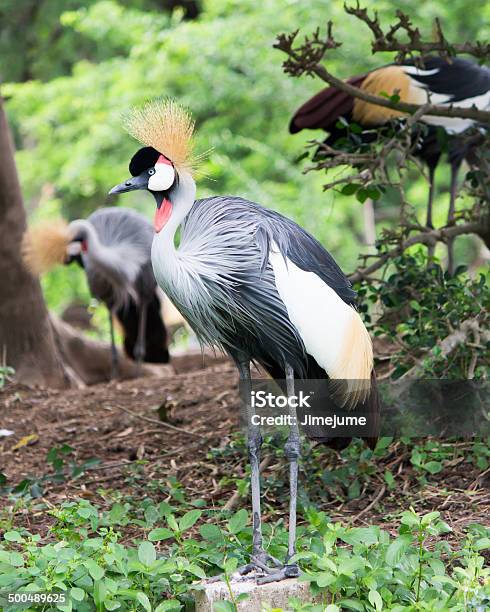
(430, 517)
(362, 195)
(196, 570)
(189, 519)
(172, 523)
(238, 521)
(351, 604)
(389, 479)
(396, 549)
(433, 467)
(94, 570)
(160, 533)
(349, 189)
(410, 519)
(170, 604)
(16, 559)
(147, 553)
(230, 565)
(482, 544)
(13, 536)
(361, 535)
(224, 606)
(144, 601)
(77, 593)
(325, 579)
(375, 599)
(211, 533)
(100, 591)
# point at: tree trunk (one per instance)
(26, 337)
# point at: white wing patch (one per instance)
(332, 331)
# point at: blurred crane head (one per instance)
(50, 243)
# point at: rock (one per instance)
(274, 594)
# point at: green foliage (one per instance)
(362, 568)
(422, 305)
(6, 374)
(379, 572)
(108, 55)
(63, 467)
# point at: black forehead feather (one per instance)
(142, 160)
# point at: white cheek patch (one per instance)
(74, 249)
(163, 178)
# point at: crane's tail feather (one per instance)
(351, 377)
(44, 246)
(370, 408)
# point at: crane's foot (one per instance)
(290, 570)
(259, 562)
(261, 565)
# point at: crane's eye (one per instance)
(151, 171)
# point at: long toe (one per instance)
(261, 563)
(266, 559)
(287, 571)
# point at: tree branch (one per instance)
(297, 65)
(388, 41)
(429, 238)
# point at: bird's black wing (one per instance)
(457, 78)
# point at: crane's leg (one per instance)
(140, 346)
(259, 558)
(292, 452)
(432, 189)
(114, 356)
(450, 215)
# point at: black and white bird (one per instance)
(455, 82)
(253, 283)
(113, 245)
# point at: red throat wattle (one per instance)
(162, 214)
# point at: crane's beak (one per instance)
(136, 182)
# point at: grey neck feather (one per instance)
(104, 260)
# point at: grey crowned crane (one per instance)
(113, 245)
(253, 283)
(455, 82)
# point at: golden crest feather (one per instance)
(44, 246)
(166, 126)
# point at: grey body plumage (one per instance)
(122, 266)
(225, 286)
(117, 263)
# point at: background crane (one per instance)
(443, 82)
(255, 284)
(113, 246)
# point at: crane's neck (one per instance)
(182, 200)
(105, 259)
(83, 230)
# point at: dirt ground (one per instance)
(119, 424)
